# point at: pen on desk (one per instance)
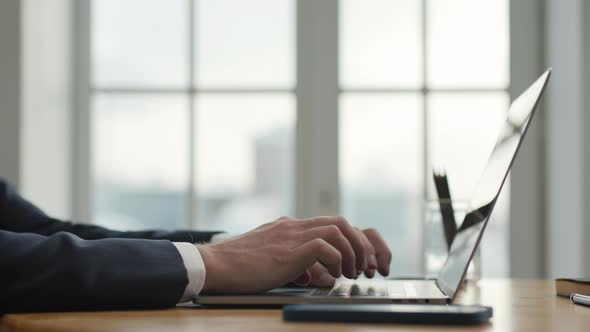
(580, 299)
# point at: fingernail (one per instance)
(372, 262)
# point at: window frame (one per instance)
(83, 190)
(317, 189)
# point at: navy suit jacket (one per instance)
(50, 265)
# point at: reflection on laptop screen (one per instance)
(489, 186)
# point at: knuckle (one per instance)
(284, 222)
(341, 222)
(320, 244)
(280, 252)
(370, 230)
(333, 231)
(286, 258)
(341, 219)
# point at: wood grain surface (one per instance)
(519, 305)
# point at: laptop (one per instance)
(444, 288)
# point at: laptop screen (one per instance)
(489, 186)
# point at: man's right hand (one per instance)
(281, 251)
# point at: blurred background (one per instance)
(226, 114)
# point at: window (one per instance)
(194, 112)
(422, 83)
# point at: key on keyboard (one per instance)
(359, 289)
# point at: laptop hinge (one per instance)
(445, 290)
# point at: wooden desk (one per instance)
(519, 305)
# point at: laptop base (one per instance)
(345, 291)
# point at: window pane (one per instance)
(462, 130)
(381, 170)
(245, 43)
(140, 43)
(380, 43)
(468, 43)
(244, 159)
(140, 160)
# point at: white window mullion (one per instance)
(317, 108)
(191, 221)
(82, 184)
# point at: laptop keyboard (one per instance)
(360, 289)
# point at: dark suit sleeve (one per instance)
(19, 215)
(63, 272)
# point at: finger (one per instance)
(369, 251)
(332, 235)
(382, 252)
(347, 230)
(369, 254)
(320, 277)
(304, 279)
(318, 250)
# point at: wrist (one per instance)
(212, 275)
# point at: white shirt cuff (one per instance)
(195, 268)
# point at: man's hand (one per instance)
(289, 249)
(377, 255)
